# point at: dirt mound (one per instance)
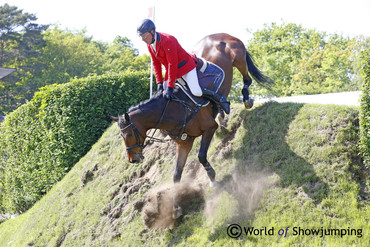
(157, 212)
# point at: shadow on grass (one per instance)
(263, 149)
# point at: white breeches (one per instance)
(191, 79)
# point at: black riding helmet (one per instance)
(146, 25)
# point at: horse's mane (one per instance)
(143, 105)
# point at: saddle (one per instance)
(210, 76)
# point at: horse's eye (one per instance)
(126, 134)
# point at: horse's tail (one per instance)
(257, 75)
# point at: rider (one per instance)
(165, 49)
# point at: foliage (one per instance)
(21, 43)
(46, 56)
(305, 155)
(68, 55)
(365, 109)
(44, 138)
(302, 61)
(121, 55)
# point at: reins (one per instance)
(188, 108)
(153, 139)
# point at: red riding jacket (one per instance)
(174, 58)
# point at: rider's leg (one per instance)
(191, 79)
(219, 98)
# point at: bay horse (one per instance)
(221, 49)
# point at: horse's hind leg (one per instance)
(248, 101)
(240, 63)
(202, 156)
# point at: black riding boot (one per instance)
(218, 98)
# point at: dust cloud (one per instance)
(158, 209)
(244, 190)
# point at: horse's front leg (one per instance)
(202, 156)
(182, 150)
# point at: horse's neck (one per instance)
(159, 116)
(149, 115)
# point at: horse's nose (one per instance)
(130, 159)
(137, 159)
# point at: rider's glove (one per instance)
(160, 87)
(168, 94)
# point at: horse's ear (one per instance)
(127, 117)
(114, 118)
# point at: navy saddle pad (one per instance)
(210, 76)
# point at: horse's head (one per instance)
(134, 140)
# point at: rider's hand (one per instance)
(168, 94)
(160, 87)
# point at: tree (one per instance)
(68, 55)
(121, 56)
(21, 42)
(46, 56)
(303, 61)
(361, 45)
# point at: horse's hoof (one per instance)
(222, 122)
(249, 103)
(177, 212)
(213, 184)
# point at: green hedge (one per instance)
(365, 110)
(44, 138)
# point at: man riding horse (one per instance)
(165, 49)
(173, 116)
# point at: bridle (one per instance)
(152, 138)
(137, 137)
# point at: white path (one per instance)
(346, 98)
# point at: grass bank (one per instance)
(279, 166)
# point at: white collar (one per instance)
(155, 41)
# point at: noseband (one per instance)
(137, 137)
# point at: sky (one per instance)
(191, 20)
